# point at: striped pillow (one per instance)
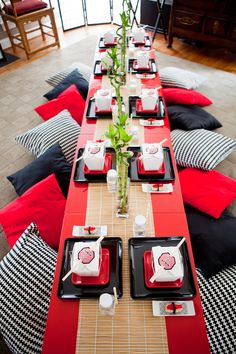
(84, 69)
(26, 277)
(201, 148)
(61, 129)
(174, 77)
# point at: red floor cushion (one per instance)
(186, 97)
(25, 6)
(208, 191)
(69, 99)
(43, 204)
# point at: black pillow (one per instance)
(73, 78)
(213, 240)
(52, 161)
(191, 117)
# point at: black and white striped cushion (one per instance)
(201, 148)
(84, 69)
(218, 296)
(175, 77)
(61, 129)
(26, 277)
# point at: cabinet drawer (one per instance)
(216, 27)
(188, 20)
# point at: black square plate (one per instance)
(91, 114)
(151, 70)
(102, 45)
(161, 112)
(97, 69)
(147, 43)
(67, 290)
(135, 177)
(80, 176)
(137, 247)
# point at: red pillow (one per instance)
(208, 191)
(187, 97)
(43, 204)
(69, 99)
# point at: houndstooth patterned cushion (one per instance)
(218, 296)
(61, 129)
(200, 148)
(26, 276)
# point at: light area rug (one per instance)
(23, 89)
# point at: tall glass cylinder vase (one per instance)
(123, 185)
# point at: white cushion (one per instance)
(61, 129)
(175, 77)
(26, 277)
(200, 148)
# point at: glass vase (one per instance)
(123, 185)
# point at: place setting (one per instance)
(90, 267)
(160, 268)
(142, 63)
(94, 161)
(108, 40)
(151, 163)
(139, 38)
(148, 105)
(102, 65)
(101, 105)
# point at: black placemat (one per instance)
(67, 290)
(152, 69)
(169, 169)
(91, 114)
(137, 247)
(80, 176)
(97, 69)
(161, 112)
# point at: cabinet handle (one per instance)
(186, 21)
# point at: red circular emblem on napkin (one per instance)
(86, 255)
(94, 149)
(166, 261)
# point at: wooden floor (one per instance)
(219, 58)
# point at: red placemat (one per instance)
(106, 168)
(148, 273)
(101, 279)
(142, 171)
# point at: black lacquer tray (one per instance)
(80, 176)
(97, 69)
(169, 175)
(161, 112)
(151, 70)
(137, 247)
(102, 45)
(147, 43)
(91, 114)
(67, 290)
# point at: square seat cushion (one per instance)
(26, 278)
(51, 161)
(43, 204)
(201, 148)
(75, 77)
(60, 129)
(175, 77)
(213, 240)
(208, 191)
(25, 6)
(191, 117)
(70, 99)
(84, 69)
(218, 296)
(186, 97)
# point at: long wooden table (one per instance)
(75, 326)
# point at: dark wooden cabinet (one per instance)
(211, 21)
